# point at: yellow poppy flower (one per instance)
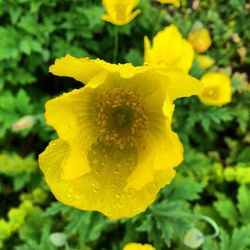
(204, 61)
(216, 89)
(115, 149)
(138, 246)
(169, 48)
(176, 3)
(200, 40)
(120, 12)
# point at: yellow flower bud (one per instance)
(204, 61)
(25, 122)
(200, 40)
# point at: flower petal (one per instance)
(69, 113)
(81, 69)
(169, 48)
(181, 84)
(138, 246)
(165, 153)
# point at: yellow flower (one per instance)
(115, 149)
(204, 61)
(176, 3)
(169, 48)
(120, 12)
(138, 246)
(200, 40)
(216, 89)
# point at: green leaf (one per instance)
(240, 238)
(226, 209)
(175, 190)
(243, 205)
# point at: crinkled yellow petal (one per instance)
(92, 72)
(169, 48)
(81, 69)
(167, 153)
(138, 246)
(75, 164)
(185, 61)
(147, 50)
(181, 84)
(103, 189)
(68, 114)
(167, 45)
(216, 90)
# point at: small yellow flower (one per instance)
(115, 149)
(176, 3)
(200, 40)
(204, 61)
(120, 12)
(216, 89)
(138, 246)
(169, 48)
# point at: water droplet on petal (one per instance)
(117, 171)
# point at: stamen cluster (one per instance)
(121, 117)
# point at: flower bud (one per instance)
(25, 122)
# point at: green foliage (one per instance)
(212, 180)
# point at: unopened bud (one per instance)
(25, 122)
(194, 238)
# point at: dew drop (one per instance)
(117, 171)
(118, 196)
(118, 204)
(97, 172)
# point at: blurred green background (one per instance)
(215, 175)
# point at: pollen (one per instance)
(121, 117)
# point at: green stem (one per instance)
(116, 44)
(212, 223)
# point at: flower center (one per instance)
(211, 93)
(121, 117)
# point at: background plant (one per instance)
(217, 140)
